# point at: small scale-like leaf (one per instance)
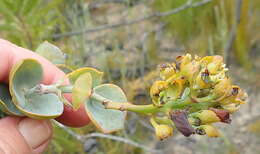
(51, 52)
(25, 75)
(95, 74)
(81, 90)
(6, 103)
(107, 120)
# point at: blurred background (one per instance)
(127, 39)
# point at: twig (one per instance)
(120, 139)
(69, 131)
(189, 4)
(83, 138)
(233, 32)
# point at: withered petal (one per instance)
(181, 122)
(223, 115)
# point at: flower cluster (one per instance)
(194, 93)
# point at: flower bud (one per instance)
(163, 131)
(241, 97)
(222, 88)
(206, 116)
(209, 130)
(231, 108)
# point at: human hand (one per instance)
(25, 135)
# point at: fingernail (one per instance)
(35, 132)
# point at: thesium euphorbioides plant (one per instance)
(192, 95)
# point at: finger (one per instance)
(10, 54)
(24, 135)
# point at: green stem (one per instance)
(51, 89)
(146, 109)
(43, 89)
(178, 104)
(66, 88)
(206, 98)
(153, 122)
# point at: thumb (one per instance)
(24, 135)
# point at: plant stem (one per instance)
(146, 109)
(123, 106)
(66, 89)
(43, 89)
(51, 89)
(153, 122)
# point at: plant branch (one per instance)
(83, 138)
(189, 4)
(125, 106)
(120, 139)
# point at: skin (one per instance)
(10, 136)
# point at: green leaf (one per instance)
(25, 75)
(6, 103)
(81, 90)
(107, 120)
(95, 74)
(51, 52)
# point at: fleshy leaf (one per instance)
(95, 74)
(51, 52)
(6, 103)
(25, 75)
(81, 90)
(107, 120)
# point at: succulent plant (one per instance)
(193, 93)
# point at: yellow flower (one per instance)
(231, 107)
(163, 131)
(209, 130)
(206, 116)
(188, 67)
(167, 70)
(222, 89)
(157, 87)
(183, 60)
(213, 63)
(202, 81)
(174, 89)
(218, 77)
(236, 95)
